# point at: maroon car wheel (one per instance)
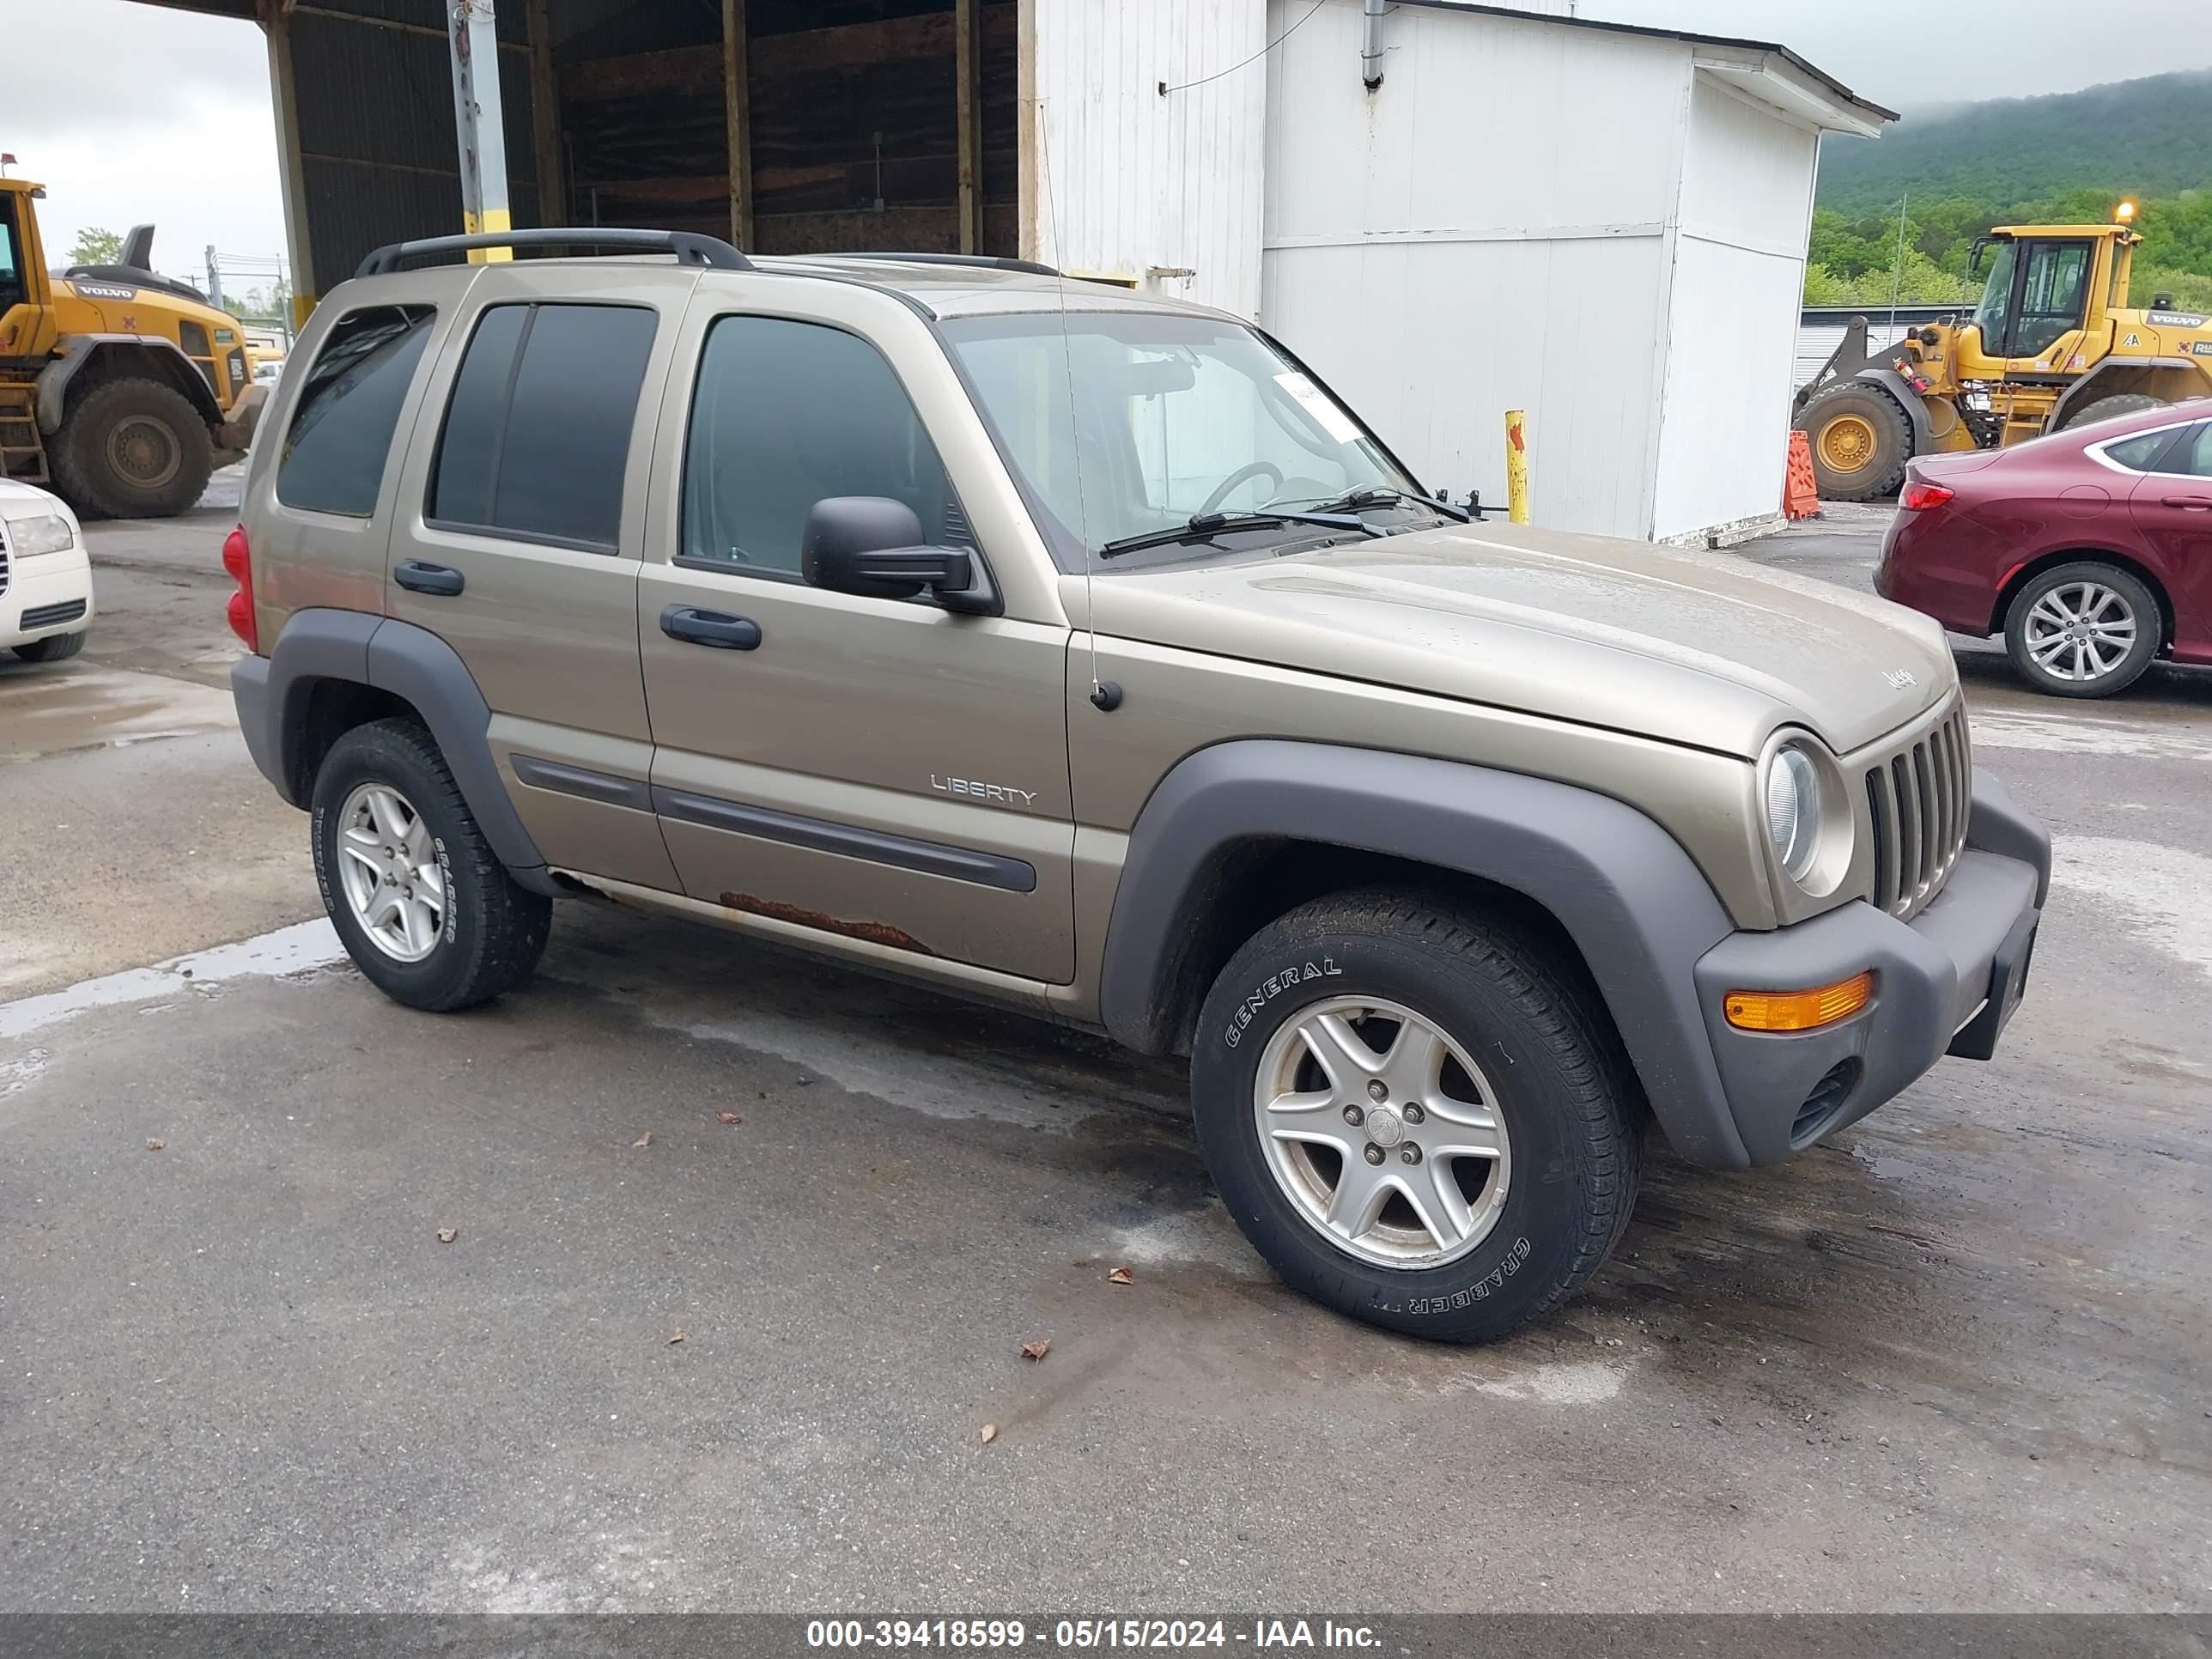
(2085, 630)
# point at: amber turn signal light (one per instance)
(1799, 1010)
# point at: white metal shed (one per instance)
(1601, 224)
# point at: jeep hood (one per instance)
(1709, 649)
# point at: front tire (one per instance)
(1417, 1115)
(52, 649)
(131, 448)
(2085, 630)
(424, 907)
(1861, 440)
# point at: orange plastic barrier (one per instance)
(1800, 496)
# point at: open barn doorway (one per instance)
(856, 124)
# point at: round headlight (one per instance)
(1793, 809)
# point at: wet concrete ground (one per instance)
(1959, 1358)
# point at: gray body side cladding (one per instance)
(1915, 410)
(1625, 891)
(53, 382)
(275, 693)
(2085, 390)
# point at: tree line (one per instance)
(1853, 257)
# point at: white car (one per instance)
(45, 577)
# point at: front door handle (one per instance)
(697, 627)
(2190, 503)
(420, 578)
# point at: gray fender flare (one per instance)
(275, 693)
(1636, 906)
(85, 349)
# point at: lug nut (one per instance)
(1414, 1113)
(1374, 1154)
(1378, 1090)
(1412, 1154)
(1354, 1117)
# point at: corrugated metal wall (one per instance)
(1486, 231)
(1121, 181)
(373, 92)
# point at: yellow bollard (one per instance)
(1517, 465)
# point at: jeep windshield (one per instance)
(1121, 427)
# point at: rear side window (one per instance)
(2141, 453)
(538, 431)
(2193, 454)
(341, 428)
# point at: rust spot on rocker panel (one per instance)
(875, 933)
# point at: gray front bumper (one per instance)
(1945, 982)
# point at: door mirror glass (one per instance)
(872, 545)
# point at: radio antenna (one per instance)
(1098, 693)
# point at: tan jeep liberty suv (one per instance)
(1079, 650)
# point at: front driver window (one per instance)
(2052, 297)
(785, 413)
(11, 264)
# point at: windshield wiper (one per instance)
(1205, 526)
(1384, 496)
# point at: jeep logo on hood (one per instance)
(1899, 679)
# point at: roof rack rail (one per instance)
(689, 248)
(986, 261)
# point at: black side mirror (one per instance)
(871, 544)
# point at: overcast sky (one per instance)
(134, 112)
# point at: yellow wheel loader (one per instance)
(119, 389)
(2052, 343)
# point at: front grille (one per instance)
(1919, 799)
(3, 564)
(45, 615)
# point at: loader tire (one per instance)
(131, 448)
(1861, 440)
(2107, 409)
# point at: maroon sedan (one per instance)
(2091, 549)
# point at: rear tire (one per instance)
(1861, 440)
(52, 649)
(426, 909)
(2085, 630)
(1539, 1193)
(2107, 409)
(131, 448)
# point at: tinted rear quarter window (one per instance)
(341, 428)
(537, 430)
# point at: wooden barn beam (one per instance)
(968, 47)
(737, 107)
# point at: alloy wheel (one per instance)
(1381, 1132)
(394, 881)
(2080, 631)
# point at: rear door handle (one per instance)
(420, 578)
(2193, 503)
(695, 627)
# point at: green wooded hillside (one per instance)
(2067, 158)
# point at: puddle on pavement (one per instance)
(46, 711)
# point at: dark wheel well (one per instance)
(1253, 882)
(334, 708)
(2035, 566)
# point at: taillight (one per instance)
(1918, 495)
(238, 559)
